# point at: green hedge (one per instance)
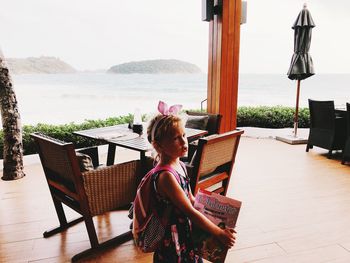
(265, 117)
(65, 132)
(271, 117)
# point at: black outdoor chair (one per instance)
(327, 130)
(346, 152)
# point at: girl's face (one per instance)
(174, 145)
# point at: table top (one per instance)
(121, 135)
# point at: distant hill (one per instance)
(38, 65)
(167, 66)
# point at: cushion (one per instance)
(213, 121)
(197, 122)
(85, 162)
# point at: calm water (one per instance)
(62, 98)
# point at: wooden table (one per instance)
(120, 135)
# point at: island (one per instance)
(157, 66)
(35, 65)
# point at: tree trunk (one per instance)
(12, 131)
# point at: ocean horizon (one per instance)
(65, 98)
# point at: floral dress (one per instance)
(177, 245)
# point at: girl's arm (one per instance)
(168, 187)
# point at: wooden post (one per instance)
(223, 66)
(296, 116)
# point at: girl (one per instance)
(167, 135)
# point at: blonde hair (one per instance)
(160, 126)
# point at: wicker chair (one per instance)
(212, 164)
(346, 152)
(327, 130)
(89, 193)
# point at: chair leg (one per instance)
(308, 146)
(343, 160)
(60, 212)
(64, 224)
(329, 155)
(90, 227)
(61, 228)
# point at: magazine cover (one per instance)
(222, 211)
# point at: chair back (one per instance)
(213, 162)
(60, 165)
(348, 119)
(214, 121)
(322, 114)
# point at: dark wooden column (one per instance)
(224, 38)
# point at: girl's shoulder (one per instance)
(158, 187)
(165, 176)
(167, 171)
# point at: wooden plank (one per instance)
(217, 59)
(210, 67)
(230, 72)
(206, 182)
(235, 71)
(224, 70)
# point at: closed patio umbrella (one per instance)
(301, 66)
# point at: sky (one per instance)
(267, 38)
(97, 34)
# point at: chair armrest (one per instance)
(189, 169)
(192, 148)
(191, 175)
(111, 187)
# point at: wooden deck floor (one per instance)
(296, 208)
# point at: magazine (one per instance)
(222, 211)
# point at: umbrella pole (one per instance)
(296, 110)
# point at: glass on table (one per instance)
(137, 126)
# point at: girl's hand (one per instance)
(227, 237)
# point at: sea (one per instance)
(65, 98)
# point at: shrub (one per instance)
(65, 132)
(271, 117)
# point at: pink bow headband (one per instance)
(165, 111)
